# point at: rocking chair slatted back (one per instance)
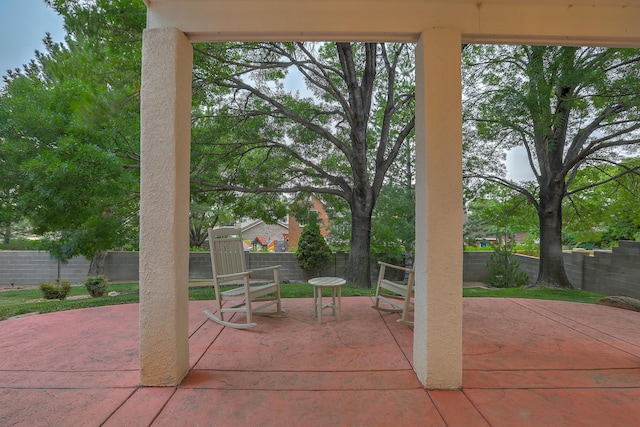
(227, 251)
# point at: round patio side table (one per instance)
(333, 283)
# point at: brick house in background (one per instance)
(280, 236)
(295, 228)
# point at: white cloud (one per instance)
(518, 168)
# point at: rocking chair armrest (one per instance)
(271, 267)
(233, 275)
(397, 267)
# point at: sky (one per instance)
(24, 23)
(518, 168)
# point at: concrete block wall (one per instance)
(615, 272)
(529, 265)
(35, 267)
(574, 267)
(121, 266)
(475, 266)
(288, 264)
(627, 247)
(199, 266)
(124, 266)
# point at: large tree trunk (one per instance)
(98, 264)
(197, 236)
(7, 234)
(551, 271)
(358, 268)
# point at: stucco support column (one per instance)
(165, 115)
(437, 346)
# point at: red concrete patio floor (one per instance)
(526, 363)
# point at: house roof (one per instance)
(261, 240)
(252, 223)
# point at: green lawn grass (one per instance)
(26, 301)
(536, 293)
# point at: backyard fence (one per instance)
(615, 272)
(34, 267)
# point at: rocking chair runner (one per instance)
(229, 267)
(397, 295)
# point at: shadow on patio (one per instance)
(526, 363)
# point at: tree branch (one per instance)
(613, 178)
(239, 84)
(509, 184)
(212, 187)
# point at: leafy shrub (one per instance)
(21, 244)
(96, 285)
(504, 269)
(58, 290)
(313, 252)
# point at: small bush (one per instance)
(313, 252)
(59, 290)
(504, 269)
(96, 285)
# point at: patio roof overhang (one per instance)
(569, 22)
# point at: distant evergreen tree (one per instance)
(504, 269)
(313, 251)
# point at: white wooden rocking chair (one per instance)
(398, 295)
(229, 269)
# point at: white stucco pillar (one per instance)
(165, 114)
(437, 347)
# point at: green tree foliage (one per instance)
(600, 216)
(339, 142)
(393, 227)
(209, 208)
(75, 108)
(202, 217)
(498, 212)
(69, 130)
(568, 107)
(313, 252)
